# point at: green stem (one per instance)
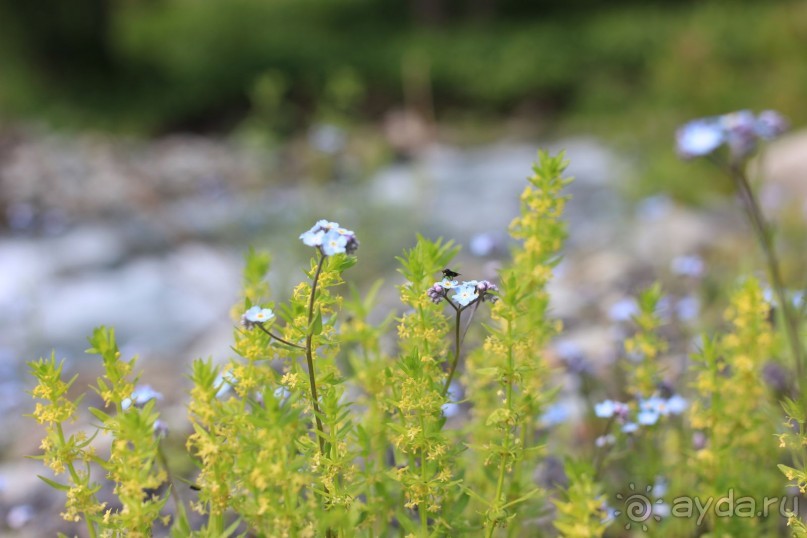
(309, 358)
(276, 337)
(764, 236)
(600, 455)
(424, 517)
(76, 480)
(216, 522)
(506, 446)
(175, 495)
(457, 347)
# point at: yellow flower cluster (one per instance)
(645, 347)
(734, 408)
(507, 378)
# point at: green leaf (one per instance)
(787, 471)
(231, 529)
(316, 324)
(54, 485)
(100, 415)
(407, 523)
(793, 410)
(456, 510)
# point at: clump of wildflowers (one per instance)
(135, 464)
(583, 512)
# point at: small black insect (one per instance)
(448, 273)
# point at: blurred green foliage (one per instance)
(632, 67)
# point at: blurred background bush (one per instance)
(153, 66)
(627, 70)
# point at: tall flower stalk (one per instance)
(307, 319)
(507, 379)
(740, 132)
(309, 357)
(329, 239)
(467, 295)
(765, 238)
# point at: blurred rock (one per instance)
(783, 168)
(19, 516)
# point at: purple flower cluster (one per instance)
(464, 294)
(330, 238)
(740, 131)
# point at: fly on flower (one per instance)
(449, 274)
(465, 293)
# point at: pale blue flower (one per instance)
(313, 238)
(654, 403)
(647, 417)
(688, 308)
(691, 265)
(700, 137)
(555, 414)
(770, 124)
(448, 284)
(282, 394)
(676, 404)
(334, 243)
(623, 310)
(140, 396)
(483, 244)
(604, 409)
(326, 224)
(651, 409)
(256, 316)
(451, 408)
(465, 295)
(224, 383)
(630, 427)
(740, 129)
(609, 514)
(609, 408)
(330, 238)
(160, 429)
(605, 440)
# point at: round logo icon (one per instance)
(638, 507)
